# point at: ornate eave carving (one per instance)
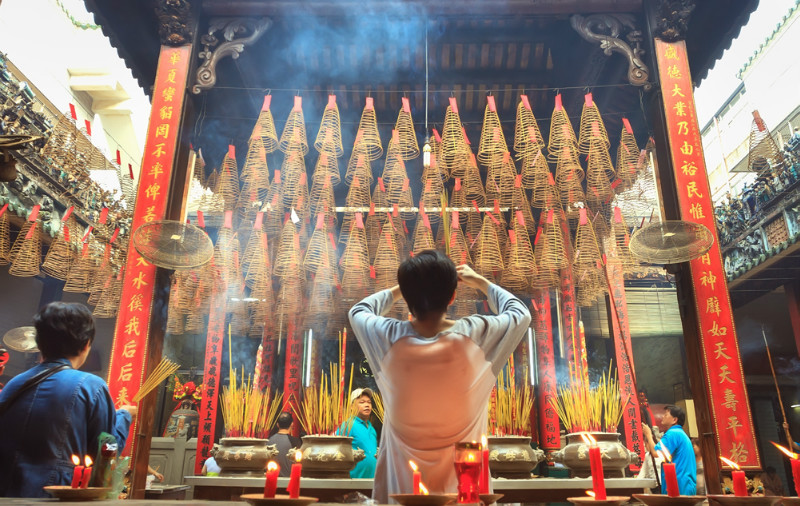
(237, 33)
(175, 26)
(606, 29)
(673, 19)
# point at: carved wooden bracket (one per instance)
(606, 29)
(248, 31)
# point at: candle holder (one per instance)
(67, 493)
(468, 471)
(790, 501)
(665, 500)
(749, 500)
(278, 500)
(423, 499)
(611, 500)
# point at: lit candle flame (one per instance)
(484, 441)
(87, 460)
(413, 466)
(298, 456)
(729, 462)
(590, 493)
(471, 457)
(664, 454)
(272, 466)
(588, 439)
(423, 489)
(76, 460)
(788, 453)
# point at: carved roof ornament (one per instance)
(237, 33)
(174, 22)
(673, 19)
(606, 29)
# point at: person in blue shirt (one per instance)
(679, 446)
(54, 411)
(362, 432)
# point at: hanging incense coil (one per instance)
(199, 169)
(292, 170)
(586, 252)
(520, 266)
(60, 145)
(561, 133)
(387, 259)
(627, 165)
(80, 275)
(370, 143)
(108, 306)
(492, 144)
(373, 226)
(273, 206)
(301, 202)
(618, 244)
(19, 240)
(329, 136)
(472, 185)
(407, 144)
(289, 302)
(255, 260)
(212, 183)
(5, 238)
(521, 210)
(294, 136)
(101, 278)
(488, 255)
(534, 170)
(229, 181)
(261, 309)
(454, 142)
(59, 256)
(554, 254)
(423, 235)
(240, 316)
(399, 195)
(458, 249)
(356, 253)
(175, 317)
(26, 261)
(600, 225)
(255, 172)
(592, 128)
(323, 200)
(464, 304)
(359, 162)
(289, 257)
(432, 198)
(501, 180)
(327, 167)
(528, 140)
(356, 283)
(598, 173)
(265, 126)
(320, 258)
(473, 230)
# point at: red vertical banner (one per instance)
(213, 361)
(292, 369)
(129, 349)
(727, 395)
(268, 346)
(631, 416)
(549, 433)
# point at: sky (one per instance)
(721, 80)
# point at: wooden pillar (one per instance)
(793, 301)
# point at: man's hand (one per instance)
(133, 410)
(646, 430)
(472, 279)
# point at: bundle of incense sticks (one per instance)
(162, 371)
(581, 407)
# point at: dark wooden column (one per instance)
(793, 301)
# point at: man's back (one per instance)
(284, 443)
(60, 417)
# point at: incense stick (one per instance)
(162, 371)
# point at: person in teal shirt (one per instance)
(679, 446)
(362, 432)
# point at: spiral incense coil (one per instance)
(500, 184)
(5, 238)
(240, 316)
(528, 138)
(460, 166)
(108, 307)
(356, 253)
(288, 256)
(100, 280)
(586, 252)
(399, 196)
(432, 198)
(370, 143)
(320, 254)
(59, 257)
(261, 308)
(423, 235)
(473, 186)
(619, 242)
(598, 172)
(356, 283)
(493, 142)
(454, 142)
(228, 186)
(255, 172)
(592, 128)
(323, 200)
(401, 238)
(329, 136)
(488, 254)
(561, 133)
(212, 183)
(60, 145)
(554, 253)
(327, 167)
(520, 266)
(291, 294)
(600, 225)
(472, 231)
(25, 263)
(386, 257)
(459, 249)
(301, 202)
(407, 136)
(175, 317)
(358, 164)
(373, 226)
(522, 210)
(433, 171)
(265, 126)
(19, 240)
(464, 304)
(80, 275)
(571, 190)
(294, 136)
(292, 170)
(627, 165)
(322, 301)
(534, 169)
(256, 257)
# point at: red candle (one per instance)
(596, 463)
(739, 484)
(87, 472)
(294, 478)
(271, 485)
(468, 472)
(671, 479)
(417, 477)
(484, 465)
(77, 473)
(796, 475)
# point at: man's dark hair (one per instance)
(284, 420)
(677, 412)
(63, 329)
(427, 281)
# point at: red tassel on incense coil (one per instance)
(407, 144)
(329, 136)
(458, 199)
(265, 126)
(592, 128)
(627, 156)
(492, 143)
(528, 140)
(561, 133)
(453, 144)
(488, 256)
(294, 136)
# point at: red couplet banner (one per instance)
(268, 345)
(293, 369)
(730, 407)
(129, 348)
(549, 434)
(631, 416)
(213, 360)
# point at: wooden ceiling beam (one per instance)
(472, 8)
